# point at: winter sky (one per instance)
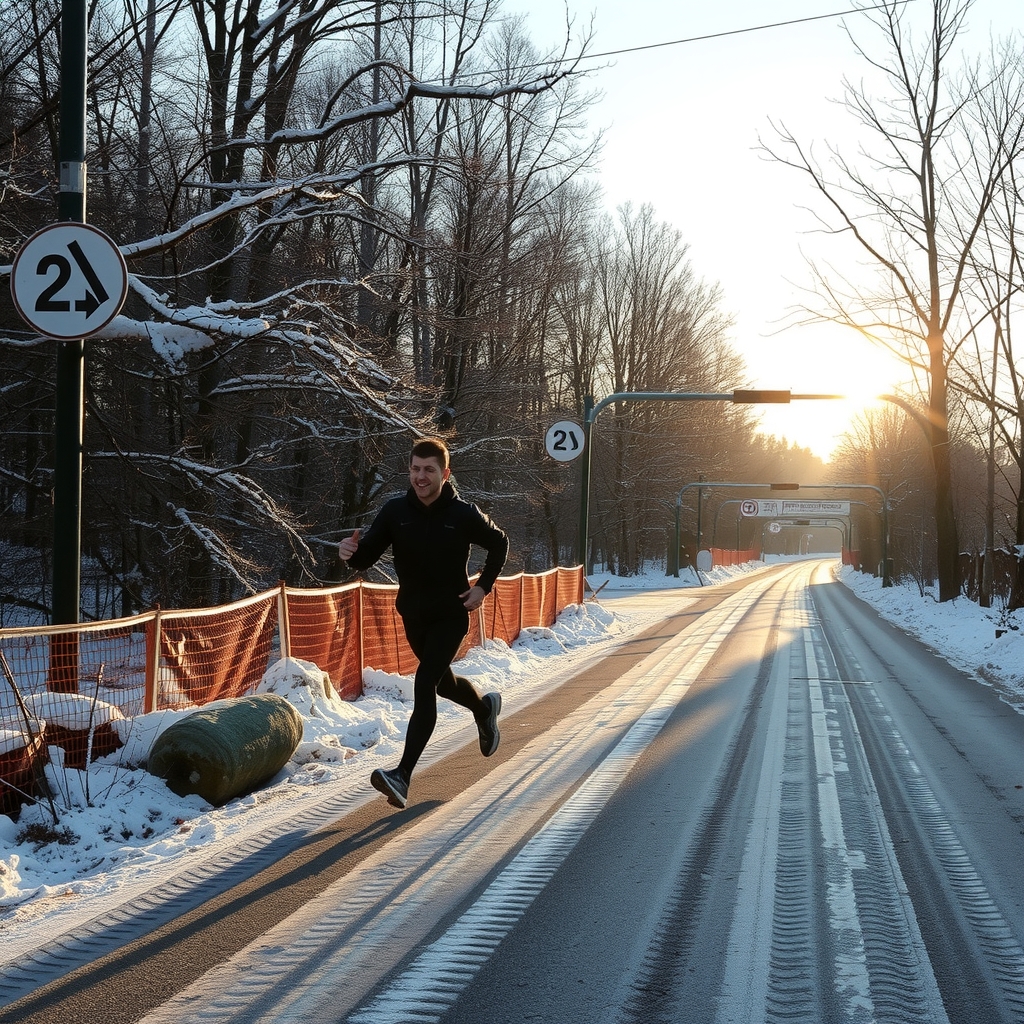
(683, 124)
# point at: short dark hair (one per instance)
(431, 448)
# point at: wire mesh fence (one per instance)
(67, 685)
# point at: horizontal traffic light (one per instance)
(761, 397)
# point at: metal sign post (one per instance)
(69, 426)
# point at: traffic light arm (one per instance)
(590, 413)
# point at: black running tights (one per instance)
(435, 643)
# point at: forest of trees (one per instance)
(346, 223)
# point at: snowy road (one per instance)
(771, 807)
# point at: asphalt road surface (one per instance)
(770, 807)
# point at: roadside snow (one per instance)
(120, 830)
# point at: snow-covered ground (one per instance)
(121, 830)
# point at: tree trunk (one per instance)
(947, 541)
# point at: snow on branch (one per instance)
(220, 552)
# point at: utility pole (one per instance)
(70, 391)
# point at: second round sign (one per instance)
(564, 440)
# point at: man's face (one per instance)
(427, 477)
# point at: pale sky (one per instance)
(682, 125)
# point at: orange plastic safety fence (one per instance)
(208, 654)
(570, 588)
(503, 609)
(204, 655)
(20, 763)
(323, 628)
(540, 597)
(105, 661)
(384, 645)
(223, 652)
(728, 556)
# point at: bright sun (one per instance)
(824, 361)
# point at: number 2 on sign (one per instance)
(560, 438)
(46, 302)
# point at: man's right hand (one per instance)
(347, 547)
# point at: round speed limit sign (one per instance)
(564, 440)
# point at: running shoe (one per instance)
(392, 785)
(488, 725)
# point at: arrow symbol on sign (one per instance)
(91, 302)
(88, 305)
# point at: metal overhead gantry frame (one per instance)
(886, 582)
(795, 487)
(700, 485)
(826, 520)
(841, 523)
(591, 411)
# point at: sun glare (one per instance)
(835, 363)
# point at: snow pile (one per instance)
(13, 739)
(987, 643)
(116, 820)
(10, 880)
(71, 710)
(334, 729)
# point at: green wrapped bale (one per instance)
(227, 749)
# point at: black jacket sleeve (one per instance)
(375, 541)
(494, 541)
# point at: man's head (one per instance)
(429, 468)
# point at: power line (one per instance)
(714, 35)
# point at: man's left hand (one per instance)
(473, 598)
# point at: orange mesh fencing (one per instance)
(570, 588)
(220, 652)
(20, 770)
(727, 556)
(179, 659)
(168, 659)
(503, 608)
(324, 627)
(540, 599)
(357, 625)
(384, 645)
(103, 660)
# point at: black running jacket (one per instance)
(430, 545)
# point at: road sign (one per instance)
(773, 507)
(564, 440)
(69, 280)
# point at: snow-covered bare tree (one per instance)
(240, 409)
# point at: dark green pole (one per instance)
(673, 560)
(700, 495)
(70, 391)
(581, 533)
